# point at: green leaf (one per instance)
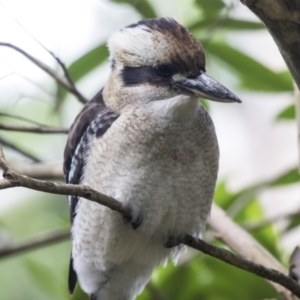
(233, 203)
(223, 197)
(267, 236)
(43, 276)
(253, 75)
(289, 113)
(85, 64)
(291, 176)
(294, 222)
(88, 62)
(210, 7)
(205, 104)
(141, 6)
(227, 24)
(235, 24)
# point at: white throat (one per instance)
(179, 107)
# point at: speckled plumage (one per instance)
(159, 156)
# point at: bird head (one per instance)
(157, 59)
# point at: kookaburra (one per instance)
(146, 141)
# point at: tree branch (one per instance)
(282, 19)
(239, 262)
(21, 118)
(68, 85)
(83, 191)
(245, 244)
(6, 143)
(297, 104)
(12, 179)
(38, 170)
(37, 242)
(33, 129)
(261, 224)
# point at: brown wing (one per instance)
(93, 121)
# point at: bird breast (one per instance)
(164, 170)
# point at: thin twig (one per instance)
(37, 242)
(258, 225)
(7, 115)
(33, 129)
(8, 144)
(6, 75)
(297, 105)
(3, 164)
(61, 80)
(83, 191)
(38, 170)
(62, 65)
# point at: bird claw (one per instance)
(134, 222)
(173, 241)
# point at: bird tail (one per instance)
(125, 281)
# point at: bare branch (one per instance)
(59, 79)
(21, 119)
(37, 242)
(33, 129)
(245, 244)
(258, 225)
(13, 179)
(5, 184)
(59, 188)
(3, 164)
(38, 170)
(297, 104)
(239, 262)
(282, 19)
(62, 65)
(8, 144)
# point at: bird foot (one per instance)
(93, 297)
(173, 241)
(134, 222)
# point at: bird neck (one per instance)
(177, 108)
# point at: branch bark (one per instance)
(33, 129)
(35, 243)
(297, 104)
(38, 170)
(7, 144)
(282, 19)
(63, 81)
(245, 244)
(244, 264)
(12, 179)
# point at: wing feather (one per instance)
(94, 120)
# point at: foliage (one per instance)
(41, 274)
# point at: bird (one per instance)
(146, 141)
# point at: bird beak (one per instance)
(206, 87)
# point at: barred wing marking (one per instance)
(94, 120)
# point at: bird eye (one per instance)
(164, 71)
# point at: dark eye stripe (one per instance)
(146, 74)
(165, 71)
(138, 75)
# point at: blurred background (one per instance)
(258, 177)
